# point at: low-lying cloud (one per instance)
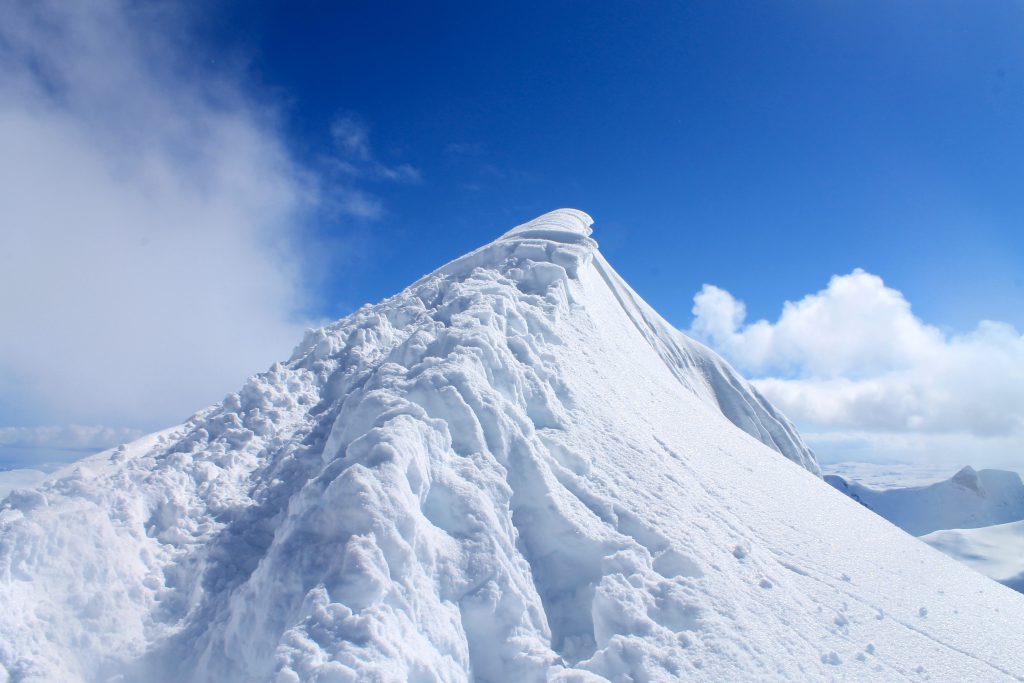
(854, 366)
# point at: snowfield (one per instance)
(514, 470)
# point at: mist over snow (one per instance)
(148, 215)
(867, 379)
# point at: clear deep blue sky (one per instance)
(761, 147)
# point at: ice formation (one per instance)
(514, 470)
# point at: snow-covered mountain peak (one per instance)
(967, 477)
(969, 499)
(513, 470)
(551, 257)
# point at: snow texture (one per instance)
(514, 470)
(967, 500)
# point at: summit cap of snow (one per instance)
(560, 225)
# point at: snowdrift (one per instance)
(514, 470)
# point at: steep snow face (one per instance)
(514, 470)
(967, 500)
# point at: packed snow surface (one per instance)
(967, 500)
(514, 470)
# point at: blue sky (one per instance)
(762, 147)
(191, 187)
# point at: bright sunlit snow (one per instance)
(514, 470)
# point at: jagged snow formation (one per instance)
(512, 471)
(967, 500)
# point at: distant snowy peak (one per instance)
(967, 500)
(975, 516)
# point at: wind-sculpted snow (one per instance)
(514, 470)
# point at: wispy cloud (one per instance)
(355, 156)
(464, 149)
(855, 366)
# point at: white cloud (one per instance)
(853, 365)
(72, 437)
(150, 231)
(952, 450)
(855, 327)
(352, 138)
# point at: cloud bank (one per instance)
(150, 250)
(866, 377)
(149, 217)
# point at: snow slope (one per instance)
(514, 470)
(996, 551)
(967, 500)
